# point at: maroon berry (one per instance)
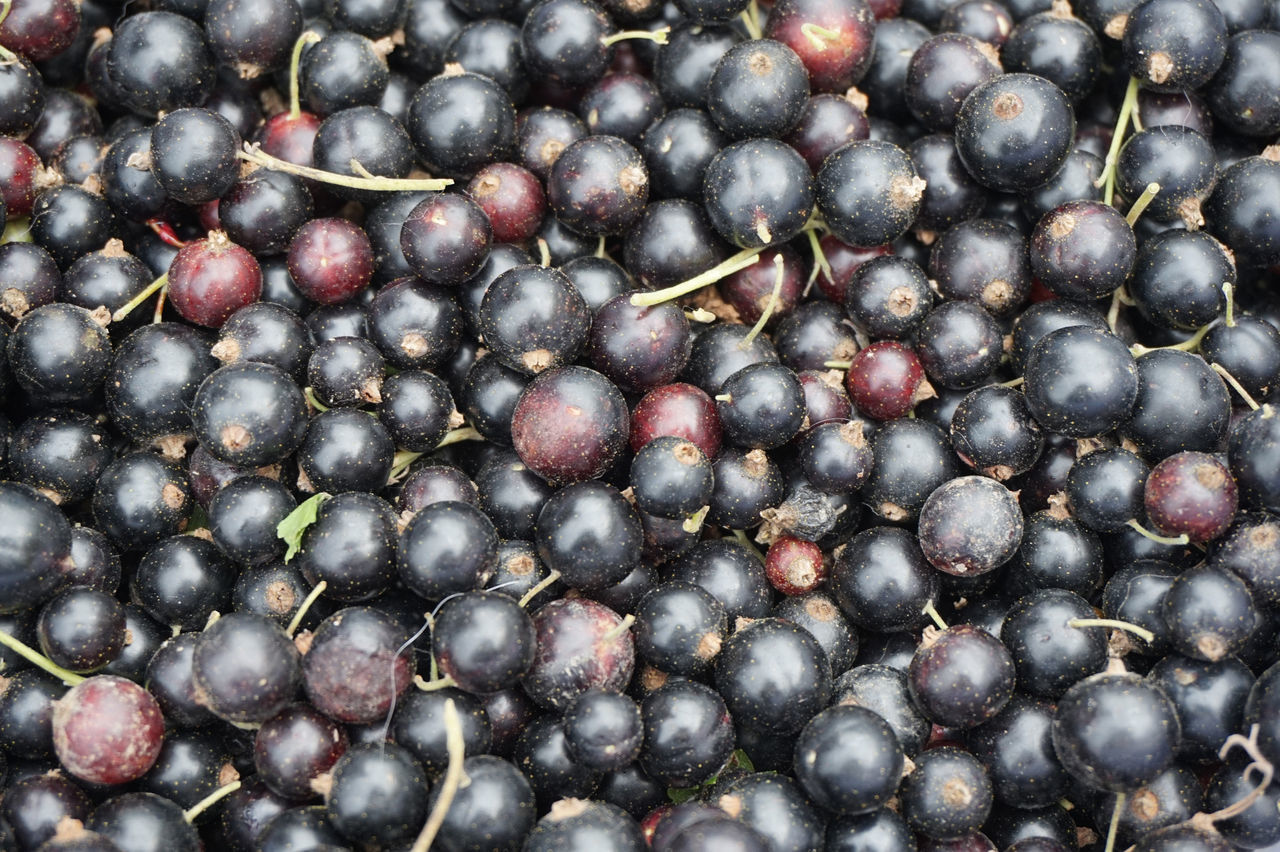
(825, 398)
(513, 199)
(750, 290)
(1192, 493)
(569, 424)
(211, 279)
(19, 168)
(446, 238)
(844, 260)
(107, 730)
(40, 29)
(886, 380)
(290, 138)
(794, 566)
(837, 45)
(581, 644)
(330, 260)
(678, 409)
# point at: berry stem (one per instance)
(656, 36)
(452, 778)
(693, 523)
(538, 589)
(745, 541)
(779, 269)
(837, 365)
(310, 395)
(932, 611)
(210, 800)
(296, 621)
(1140, 632)
(544, 252)
(1115, 822)
(253, 154)
(436, 683)
(751, 20)
(820, 263)
(165, 232)
(700, 315)
(623, 627)
(1013, 383)
(402, 459)
(600, 252)
(1188, 345)
(147, 292)
(1127, 107)
(1230, 293)
(158, 314)
(1144, 200)
(6, 55)
(31, 655)
(1172, 541)
(309, 37)
(1231, 380)
(1264, 767)
(818, 36)
(741, 260)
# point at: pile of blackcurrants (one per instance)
(622, 425)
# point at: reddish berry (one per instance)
(1192, 493)
(886, 380)
(794, 566)
(107, 730)
(211, 279)
(513, 199)
(330, 260)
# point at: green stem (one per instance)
(1013, 383)
(751, 20)
(622, 627)
(310, 395)
(837, 365)
(1143, 201)
(538, 589)
(1173, 541)
(544, 252)
(932, 611)
(1115, 822)
(1108, 177)
(149, 291)
(818, 36)
(657, 36)
(779, 266)
(1188, 345)
(434, 684)
(296, 621)
(31, 655)
(1231, 380)
(309, 37)
(402, 459)
(745, 541)
(456, 748)
(1229, 292)
(6, 54)
(694, 522)
(210, 800)
(253, 154)
(1141, 632)
(741, 260)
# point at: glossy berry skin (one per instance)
(1174, 45)
(947, 795)
(1017, 750)
(590, 534)
(579, 825)
(355, 668)
(758, 192)
(1209, 697)
(963, 678)
(533, 319)
(60, 453)
(912, 457)
(211, 279)
(107, 730)
(1014, 132)
(1238, 93)
(680, 628)
(688, 734)
(1083, 250)
(562, 39)
(836, 61)
(59, 354)
(1249, 350)
(193, 155)
(331, 260)
(245, 668)
(445, 238)
(1192, 493)
(1209, 612)
(160, 61)
(139, 499)
(583, 410)
(848, 760)
(958, 344)
(378, 795)
(579, 647)
(81, 629)
(598, 185)
(1253, 450)
(671, 478)
(447, 547)
(351, 547)
(939, 75)
(639, 347)
(868, 192)
(1080, 381)
(345, 449)
(1115, 731)
(603, 730)
(882, 580)
(993, 431)
(758, 88)
(512, 199)
(1047, 667)
(970, 525)
(295, 747)
(794, 566)
(761, 406)
(885, 380)
(1240, 212)
(249, 414)
(767, 660)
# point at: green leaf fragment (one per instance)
(297, 521)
